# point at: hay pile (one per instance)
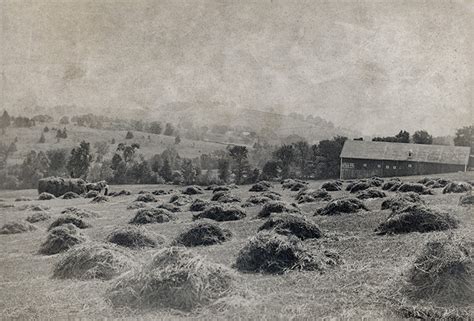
(79, 212)
(400, 201)
(220, 189)
(221, 213)
(392, 185)
(259, 187)
(277, 207)
(16, 227)
(289, 224)
(70, 196)
(342, 205)
(175, 278)
(437, 183)
(332, 186)
(59, 186)
(311, 195)
(457, 187)
(415, 187)
(134, 237)
(180, 200)
(192, 190)
(22, 199)
(34, 208)
(270, 252)
(272, 195)
(170, 207)
(61, 239)
(46, 196)
(225, 197)
(203, 233)
(160, 192)
(120, 193)
(93, 261)
(152, 215)
(416, 218)
(198, 205)
(38, 217)
(69, 219)
(146, 198)
(370, 193)
(293, 184)
(443, 273)
(91, 194)
(137, 205)
(376, 181)
(256, 200)
(100, 199)
(467, 199)
(359, 186)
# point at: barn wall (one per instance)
(362, 168)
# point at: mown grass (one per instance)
(361, 288)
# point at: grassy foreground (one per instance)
(361, 288)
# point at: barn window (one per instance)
(409, 165)
(365, 165)
(347, 165)
(387, 166)
(379, 166)
(394, 167)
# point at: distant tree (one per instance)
(302, 152)
(155, 127)
(42, 140)
(177, 140)
(169, 129)
(189, 172)
(422, 137)
(286, 155)
(270, 170)
(465, 137)
(46, 129)
(403, 136)
(156, 162)
(61, 133)
(129, 135)
(79, 160)
(57, 161)
(327, 155)
(116, 160)
(34, 167)
(239, 155)
(223, 167)
(165, 170)
(5, 121)
(64, 120)
(100, 172)
(101, 149)
(253, 176)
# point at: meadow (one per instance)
(361, 287)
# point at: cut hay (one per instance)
(146, 198)
(467, 199)
(342, 205)
(256, 200)
(370, 193)
(175, 278)
(401, 200)
(180, 200)
(160, 192)
(457, 187)
(272, 195)
(376, 181)
(69, 219)
(277, 207)
(416, 218)
(259, 187)
(100, 199)
(311, 195)
(59, 186)
(79, 212)
(443, 273)
(203, 233)
(225, 197)
(91, 194)
(93, 261)
(137, 205)
(46, 196)
(134, 237)
(220, 189)
(70, 196)
(34, 208)
(437, 183)
(120, 193)
(22, 199)
(38, 217)
(198, 205)
(61, 239)
(332, 186)
(16, 228)
(6, 205)
(289, 224)
(152, 215)
(274, 253)
(221, 213)
(170, 207)
(391, 185)
(359, 186)
(192, 190)
(415, 187)
(293, 184)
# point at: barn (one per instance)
(361, 159)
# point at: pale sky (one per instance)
(373, 66)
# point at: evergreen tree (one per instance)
(165, 170)
(79, 161)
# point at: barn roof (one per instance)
(401, 152)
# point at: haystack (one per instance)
(332, 186)
(134, 237)
(192, 190)
(391, 185)
(272, 195)
(69, 219)
(401, 200)
(93, 261)
(175, 278)
(46, 196)
(293, 184)
(160, 192)
(225, 197)
(457, 187)
(437, 183)
(376, 181)
(256, 200)
(120, 193)
(80, 212)
(289, 224)
(59, 186)
(220, 189)
(415, 187)
(100, 199)
(22, 199)
(277, 207)
(203, 233)
(270, 252)
(443, 273)
(146, 198)
(152, 215)
(221, 213)
(61, 239)
(136, 205)
(91, 194)
(311, 195)
(467, 199)
(170, 207)
(70, 196)
(180, 200)
(16, 227)
(198, 205)
(38, 217)
(370, 193)
(342, 205)
(416, 218)
(259, 187)
(359, 186)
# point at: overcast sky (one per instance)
(374, 66)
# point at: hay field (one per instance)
(361, 287)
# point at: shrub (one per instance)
(134, 237)
(203, 233)
(61, 239)
(289, 224)
(221, 213)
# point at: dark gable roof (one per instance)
(399, 151)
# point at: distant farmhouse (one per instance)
(361, 159)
